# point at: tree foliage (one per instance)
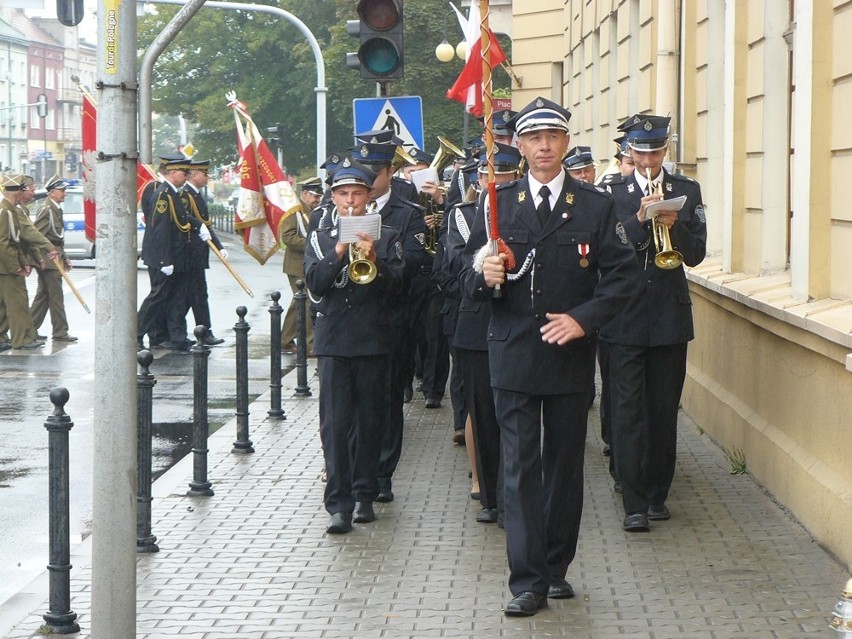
(269, 64)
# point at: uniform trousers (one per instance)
(436, 356)
(49, 297)
(457, 394)
(288, 330)
(178, 304)
(394, 384)
(351, 408)
(151, 319)
(15, 307)
(198, 298)
(486, 433)
(645, 387)
(543, 483)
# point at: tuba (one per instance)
(401, 159)
(446, 154)
(667, 256)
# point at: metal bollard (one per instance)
(199, 486)
(241, 328)
(145, 382)
(301, 296)
(59, 618)
(276, 412)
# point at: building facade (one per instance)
(14, 82)
(755, 91)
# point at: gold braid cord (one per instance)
(487, 107)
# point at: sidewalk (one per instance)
(253, 561)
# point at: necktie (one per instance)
(543, 209)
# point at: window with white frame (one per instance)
(50, 120)
(50, 78)
(35, 121)
(35, 76)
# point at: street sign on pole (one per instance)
(403, 115)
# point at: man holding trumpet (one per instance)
(353, 282)
(647, 342)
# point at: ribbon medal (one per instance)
(583, 250)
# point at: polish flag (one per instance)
(468, 86)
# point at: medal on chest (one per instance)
(583, 250)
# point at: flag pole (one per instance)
(488, 121)
(230, 268)
(70, 284)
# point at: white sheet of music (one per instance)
(429, 174)
(370, 224)
(674, 204)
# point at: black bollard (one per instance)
(301, 296)
(199, 486)
(145, 382)
(241, 328)
(60, 619)
(276, 412)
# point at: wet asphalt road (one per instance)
(26, 378)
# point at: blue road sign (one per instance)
(402, 114)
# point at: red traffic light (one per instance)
(379, 14)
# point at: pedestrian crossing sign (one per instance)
(402, 114)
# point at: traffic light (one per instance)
(272, 138)
(379, 28)
(69, 12)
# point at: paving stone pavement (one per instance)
(254, 562)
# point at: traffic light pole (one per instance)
(151, 55)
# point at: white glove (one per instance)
(204, 233)
(224, 253)
(167, 270)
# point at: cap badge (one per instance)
(346, 163)
(648, 126)
(636, 119)
(412, 152)
(335, 159)
(365, 151)
(539, 103)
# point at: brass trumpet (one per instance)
(360, 270)
(667, 256)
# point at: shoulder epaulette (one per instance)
(507, 185)
(682, 177)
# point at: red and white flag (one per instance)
(266, 197)
(144, 172)
(468, 86)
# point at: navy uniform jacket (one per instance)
(555, 282)
(661, 314)
(404, 189)
(168, 231)
(196, 206)
(352, 319)
(473, 315)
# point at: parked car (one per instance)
(77, 245)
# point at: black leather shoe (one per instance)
(65, 338)
(617, 487)
(385, 495)
(5, 346)
(41, 337)
(212, 340)
(458, 437)
(526, 604)
(407, 394)
(607, 451)
(559, 589)
(636, 522)
(364, 513)
(30, 345)
(487, 516)
(659, 512)
(339, 524)
(433, 402)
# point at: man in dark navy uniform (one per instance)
(581, 164)
(196, 206)
(647, 342)
(574, 272)
(166, 251)
(470, 341)
(407, 218)
(351, 342)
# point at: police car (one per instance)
(77, 245)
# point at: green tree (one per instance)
(270, 66)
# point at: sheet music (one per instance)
(370, 224)
(674, 204)
(421, 176)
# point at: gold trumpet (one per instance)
(360, 270)
(667, 256)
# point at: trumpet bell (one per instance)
(362, 271)
(668, 260)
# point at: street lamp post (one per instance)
(445, 52)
